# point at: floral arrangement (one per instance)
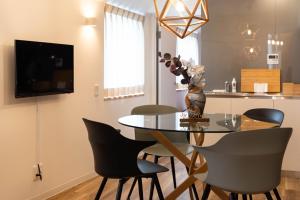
(192, 74)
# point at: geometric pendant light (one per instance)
(181, 17)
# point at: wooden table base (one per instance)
(189, 163)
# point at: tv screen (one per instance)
(43, 68)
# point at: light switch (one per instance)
(96, 90)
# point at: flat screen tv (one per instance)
(43, 68)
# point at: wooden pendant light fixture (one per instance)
(181, 17)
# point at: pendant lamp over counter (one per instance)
(181, 17)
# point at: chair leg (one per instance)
(120, 188)
(145, 156)
(152, 180)
(233, 196)
(135, 180)
(158, 188)
(268, 195)
(206, 192)
(194, 188)
(244, 196)
(173, 171)
(140, 188)
(131, 188)
(195, 192)
(276, 194)
(101, 188)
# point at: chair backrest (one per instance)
(266, 114)
(114, 155)
(141, 134)
(247, 162)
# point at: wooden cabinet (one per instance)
(251, 76)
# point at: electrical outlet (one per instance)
(36, 171)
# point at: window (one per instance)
(123, 54)
(188, 49)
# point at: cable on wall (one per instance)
(38, 173)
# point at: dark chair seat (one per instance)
(149, 168)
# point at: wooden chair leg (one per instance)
(206, 192)
(152, 180)
(101, 188)
(140, 183)
(276, 194)
(120, 188)
(268, 195)
(158, 188)
(173, 171)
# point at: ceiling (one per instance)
(143, 6)
(139, 6)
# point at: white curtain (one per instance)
(123, 53)
(187, 48)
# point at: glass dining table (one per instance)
(178, 123)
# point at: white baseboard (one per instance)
(63, 187)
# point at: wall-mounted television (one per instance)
(43, 68)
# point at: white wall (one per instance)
(64, 149)
(167, 80)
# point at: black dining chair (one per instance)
(115, 157)
(267, 115)
(247, 162)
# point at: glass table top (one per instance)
(218, 123)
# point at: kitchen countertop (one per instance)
(250, 95)
(245, 95)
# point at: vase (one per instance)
(195, 101)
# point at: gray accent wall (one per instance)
(224, 47)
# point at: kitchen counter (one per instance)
(238, 103)
(250, 95)
(243, 95)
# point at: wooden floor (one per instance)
(289, 188)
